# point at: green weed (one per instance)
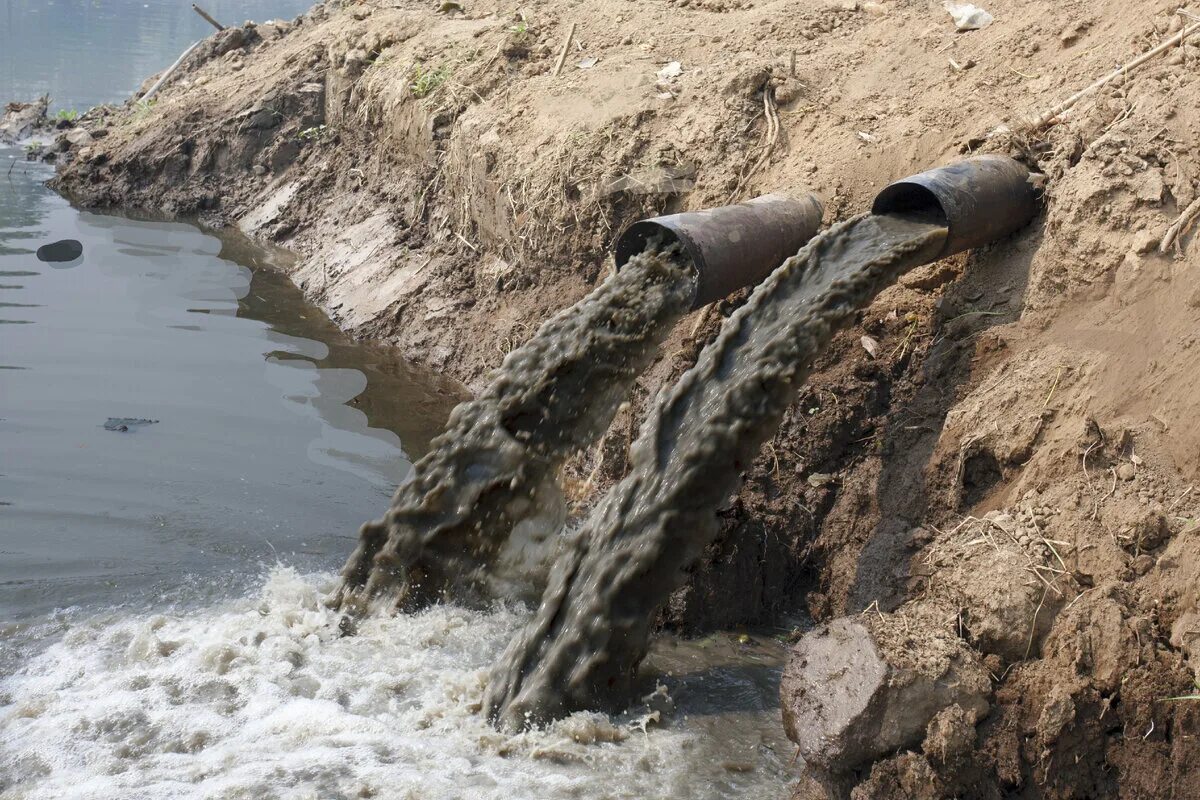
(143, 109)
(66, 115)
(425, 81)
(315, 133)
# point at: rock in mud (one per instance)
(1137, 527)
(857, 689)
(22, 119)
(74, 138)
(950, 735)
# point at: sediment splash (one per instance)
(259, 697)
(482, 476)
(591, 630)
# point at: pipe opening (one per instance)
(911, 200)
(634, 240)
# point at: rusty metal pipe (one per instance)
(979, 199)
(731, 246)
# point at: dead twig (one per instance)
(1179, 499)
(167, 75)
(1053, 387)
(566, 48)
(1033, 626)
(1054, 114)
(463, 239)
(1088, 478)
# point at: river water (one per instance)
(86, 52)
(272, 435)
(162, 630)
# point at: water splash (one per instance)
(260, 697)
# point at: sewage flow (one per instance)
(148, 646)
(591, 630)
(490, 469)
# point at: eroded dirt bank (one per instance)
(991, 499)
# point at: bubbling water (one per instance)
(261, 697)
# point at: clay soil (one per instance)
(1014, 467)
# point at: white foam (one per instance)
(261, 698)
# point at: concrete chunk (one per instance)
(859, 688)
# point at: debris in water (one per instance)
(968, 17)
(644, 722)
(127, 424)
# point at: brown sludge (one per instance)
(552, 396)
(582, 648)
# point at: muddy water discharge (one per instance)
(552, 396)
(591, 630)
(178, 670)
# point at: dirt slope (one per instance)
(1011, 475)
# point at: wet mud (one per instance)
(491, 468)
(591, 630)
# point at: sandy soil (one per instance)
(1011, 478)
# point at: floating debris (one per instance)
(127, 424)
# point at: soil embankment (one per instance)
(987, 486)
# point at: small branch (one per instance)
(562, 56)
(1052, 116)
(166, 75)
(207, 18)
(1180, 225)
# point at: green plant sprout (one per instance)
(316, 132)
(426, 81)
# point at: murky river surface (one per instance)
(162, 633)
(85, 52)
(272, 435)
